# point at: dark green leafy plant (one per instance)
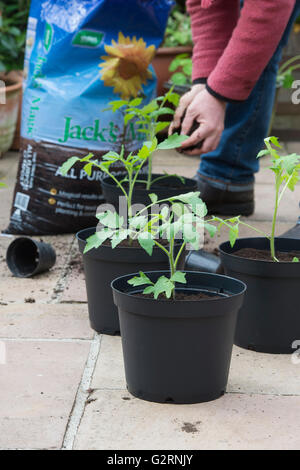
(184, 220)
(146, 117)
(285, 77)
(287, 173)
(178, 30)
(13, 21)
(182, 68)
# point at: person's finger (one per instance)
(210, 144)
(184, 102)
(197, 136)
(193, 153)
(188, 121)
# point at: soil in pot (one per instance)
(269, 320)
(104, 264)
(179, 351)
(265, 255)
(164, 188)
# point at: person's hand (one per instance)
(184, 102)
(209, 113)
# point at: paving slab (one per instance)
(40, 288)
(250, 372)
(116, 420)
(268, 374)
(75, 290)
(264, 204)
(109, 371)
(37, 395)
(44, 321)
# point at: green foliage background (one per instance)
(13, 23)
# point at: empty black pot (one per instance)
(167, 187)
(178, 351)
(26, 257)
(104, 264)
(269, 320)
(203, 261)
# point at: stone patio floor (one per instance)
(63, 387)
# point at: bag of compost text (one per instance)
(80, 55)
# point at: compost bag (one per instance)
(80, 55)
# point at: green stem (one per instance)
(287, 63)
(272, 242)
(179, 254)
(172, 264)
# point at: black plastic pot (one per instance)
(26, 257)
(269, 320)
(203, 261)
(101, 267)
(164, 188)
(178, 351)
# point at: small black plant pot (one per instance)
(178, 351)
(26, 257)
(269, 320)
(104, 264)
(167, 187)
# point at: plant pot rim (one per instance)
(225, 245)
(260, 268)
(173, 50)
(179, 305)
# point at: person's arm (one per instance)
(212, 28)
(253, 42)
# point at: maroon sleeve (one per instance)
(253, 42)
(212, 28)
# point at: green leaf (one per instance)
(135, 102)
(119, 236)
(262, 153)
(163, 286)
(179, 276)
(111, 156)
(233, 235)
(293, 180)
(115, 105)
(173, 141)
(173, 98)
(148, 290)
(274, 141)
(68, 165)
(128, 117)
(162, 112)
(160, 126)
(140, 280)
(212, 229)
(179, 78)
(149, 108)
(110, 219)
(138, 222)
(289, 162)
(97, 239)
(153, 197)
(165, 211)
(88, 168)
(147, 243)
